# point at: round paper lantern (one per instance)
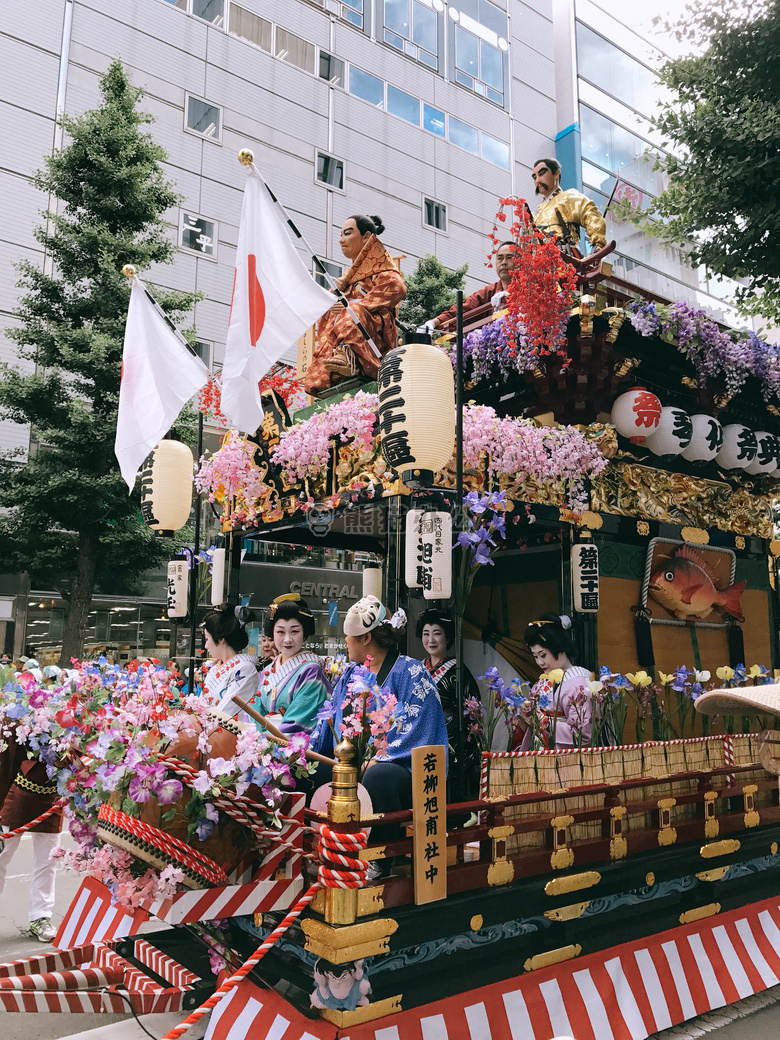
(636, 414)
(673, 433)
(416, 412)
(765, 461)
(739, 447)
(166, 487)
(706, 439)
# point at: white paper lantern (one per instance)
(372, 582)
(636, 413)
(217, 577)
(673, 433)
(766, 458)
(706, 439)
(416, 388)
(166, 487)
(739, 447)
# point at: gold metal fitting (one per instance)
(129, 271)
(246, 157)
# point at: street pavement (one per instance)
(755, 1018)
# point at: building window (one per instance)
(205, 351)
(615, 149)
(203, 118)
(352, 11)
(251, 27)
(403, 105)
(413, 27)
(181, 4)
(366, 86)
(464, 136)
(480, 46)
(330, 171)
(332, 69)
(433, 121)
(293, 49)
(209, 10)
(617, 73)
(434, 215)
(334, 270)
(494, 151)
(198, 235)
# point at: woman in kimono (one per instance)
(233, 672)
(419, 719)
(293, 687)
(570, 706)
(374, 288)
(436, 629)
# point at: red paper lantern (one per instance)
(636, 414)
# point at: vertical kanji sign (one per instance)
(429, 821)
(585, 577)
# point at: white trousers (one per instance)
(42, 876)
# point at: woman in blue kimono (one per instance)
(293, 687)
(370, 632)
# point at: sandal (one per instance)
(342, 363)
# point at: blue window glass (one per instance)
(399, 103)
(492, 17)
(495, 151)
(393, 40)
(425, 32)
(433, 120)
(464, 136)
(492, 66)
(367, 87)
(466, 52)
(397, 16)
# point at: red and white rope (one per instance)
(165, 843)
(34, 823)
(347, 871)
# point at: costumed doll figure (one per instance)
(374, 287)
(570, 705)
(233, 672)
(293, 687)
(436, 629)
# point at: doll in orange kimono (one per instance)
(374, 288)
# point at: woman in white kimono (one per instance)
(233, 672)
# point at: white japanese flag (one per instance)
(159, 376)
(275, 300)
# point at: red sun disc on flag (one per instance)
(256, 301)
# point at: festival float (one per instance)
(620, 454)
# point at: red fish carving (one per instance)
(685, 586)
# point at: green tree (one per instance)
(723, 124)
(68, 518)
(430, 290)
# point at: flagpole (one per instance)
(246, 158)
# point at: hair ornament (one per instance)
(398, 620)
(565, 622)
(242, 615)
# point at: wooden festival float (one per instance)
(602, 892)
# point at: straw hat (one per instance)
(751, 700)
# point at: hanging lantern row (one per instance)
(639, 415)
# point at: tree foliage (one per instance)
(68, 518)
(723, 124)
(430, 290)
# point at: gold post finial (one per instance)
(246, 157)
(129, 271)
(343, 808)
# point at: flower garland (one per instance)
(713, 353)
(540, 292)
(304, 450)
(101, 732)
(209, 402)
(231, 477)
